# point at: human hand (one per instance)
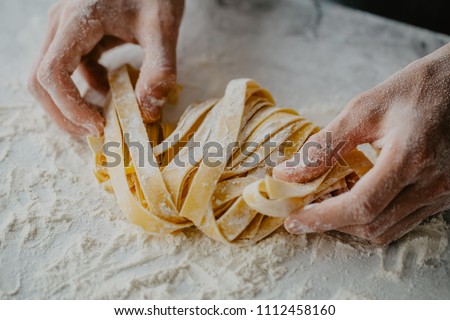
(80, 32)
(408, 118)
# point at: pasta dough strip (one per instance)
(149, 176)
(127, 202)
(229, 201)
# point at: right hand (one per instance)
(80, 32)
(408, 117)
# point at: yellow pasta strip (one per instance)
(150, 179)
(164, 183)
(127, 202)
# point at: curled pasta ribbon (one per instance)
(162, 181)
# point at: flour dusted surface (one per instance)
(61, 236)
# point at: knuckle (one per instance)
(366, 106)
(43, 76)
(420, 157)
(45, 73)
(33, 84)
(364, 100)
(425, 71)
(358, 101)
(422, 153)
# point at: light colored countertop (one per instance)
(61, 236)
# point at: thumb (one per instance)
(156, 80)
(355, 125)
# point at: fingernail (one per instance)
(308, 206)
(92, 129)
(152, 113)
(295, 226)
(152, 108)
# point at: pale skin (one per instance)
(407, 116)
(80, 32)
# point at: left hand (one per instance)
(408, 118)
(78, 35)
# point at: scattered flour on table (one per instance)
(62, 236)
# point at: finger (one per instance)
(409, 223)
(410, 199)
(361, 204)
(73, 40)
(152, 90)
(38, 91)
(158, 38)
(355, 125)
(96, 74)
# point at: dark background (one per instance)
(429, 14)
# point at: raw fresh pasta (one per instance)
(164, 182)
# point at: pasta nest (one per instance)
(163, 181)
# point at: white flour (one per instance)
(61, 236)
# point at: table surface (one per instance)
(61, 236)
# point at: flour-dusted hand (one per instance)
(408, 118)
(80, 32)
